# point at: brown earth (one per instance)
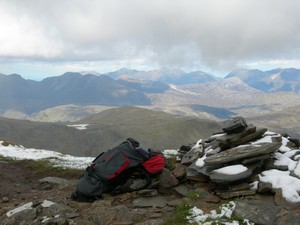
(19, 184)
(18, 179)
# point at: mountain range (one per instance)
(32, 96)
(144, 88)
(270, 99)
(270, 81)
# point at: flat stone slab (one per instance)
(234, 125)
(155, 202)
(55, 180)
(250, 209)
(231, 194)
(235, 174)
(241, 152)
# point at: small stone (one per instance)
(196, 152)
(123, 223)
(148, 192)
(180, 171)
(152, 222)
(212, 199)
(183, 190)
(72, 215)
(167, 179)
(156, 202)
(174, 203)
(231, 194)
(54, 180)
(239, 187)
(155, 215)
(5, 199)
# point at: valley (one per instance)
(123, 104)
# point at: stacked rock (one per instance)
(235, 160)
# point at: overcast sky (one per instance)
(40, 38)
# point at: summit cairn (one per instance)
(243, 160)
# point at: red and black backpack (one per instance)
(111, 170)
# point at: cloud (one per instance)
(213, 33)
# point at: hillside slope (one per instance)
(153, 129)
(30, 97)
(283, 121)
(107, 129)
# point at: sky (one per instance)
(46, 38)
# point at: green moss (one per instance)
(179, 215)
(45, 168)
(171, 162)
(6, 143)
(193, 195)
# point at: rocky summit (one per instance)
(253, 171)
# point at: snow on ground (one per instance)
(79, 126)
(171, 153)
(168, 153)
(284, 157)
(226, 210)
(200, 162)
(289, 185)
(58, 159)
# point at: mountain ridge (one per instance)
(218, 99)
(270, 81)
(155, 129)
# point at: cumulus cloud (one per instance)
(214, 33)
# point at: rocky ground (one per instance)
(200, 179)
(20, 185)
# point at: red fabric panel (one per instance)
(155, 164)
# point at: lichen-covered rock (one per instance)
(241, 152)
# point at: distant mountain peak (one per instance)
(90, 72)
(270, 81)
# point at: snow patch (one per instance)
(79, 126)
(289, 185)
(232, 170)
(58, 159)
(197, 215)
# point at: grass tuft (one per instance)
(171, 162)
(179, 216)
(7, 143)
(45, 168)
